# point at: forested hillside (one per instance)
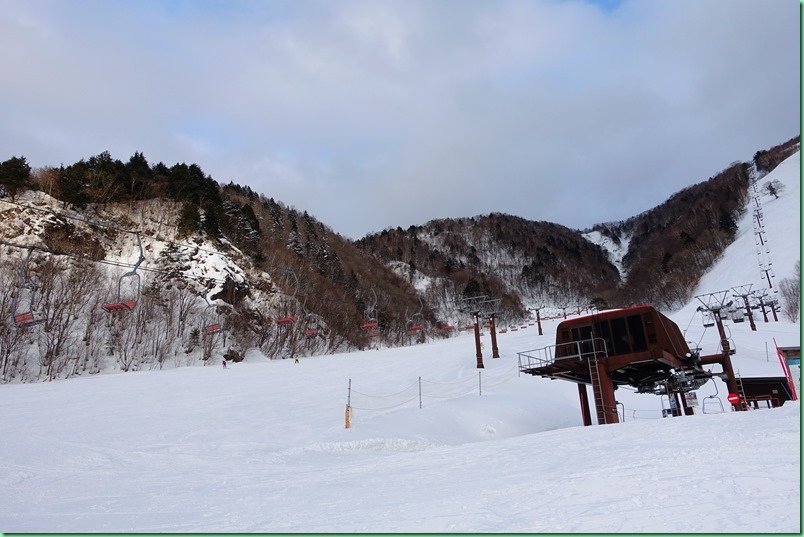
(672, 245)
(523, 262)
(666, 249)
(131, 265)
(213, 254)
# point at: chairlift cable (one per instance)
(120, 264)
(702, 336)
(689, 324)
(112, 227)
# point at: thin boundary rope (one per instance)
(388, 395)
(454, 383)
(386, 407)
(450, 396)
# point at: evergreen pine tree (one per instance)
(14, 175)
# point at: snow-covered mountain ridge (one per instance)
(657, 256)
(249, 261)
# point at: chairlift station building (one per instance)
(637, 346)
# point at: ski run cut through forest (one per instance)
(434, 444)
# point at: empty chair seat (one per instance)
(26, 319)
(212, 328)
(120, 306)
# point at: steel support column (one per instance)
(586, 416)
(731, 379)
(608, 413)
(495, 352)
(688, 410)
(479, 352)
(749, 314)
(539, 322)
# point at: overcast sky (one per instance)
(377, 114)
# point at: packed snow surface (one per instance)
(262, 446)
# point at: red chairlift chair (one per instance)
(416, 322)
(286, 320)
(414, 328)
(24, 316)
(213, 328)
(314, 324)
(210, 327)
(371, 324)
(130, 302)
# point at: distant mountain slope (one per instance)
(657, 256)
(521, 261)
(739, 264)
(671, 246)
(279, 280)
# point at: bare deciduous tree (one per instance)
(791, 294)
(774, 187)
(12, 338)
(66, 291)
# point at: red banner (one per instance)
(786, 369)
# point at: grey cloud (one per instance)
(378, 114)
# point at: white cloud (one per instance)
(377, 114)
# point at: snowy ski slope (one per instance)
(261, 446)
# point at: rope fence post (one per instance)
(348, 414)
(420, 392)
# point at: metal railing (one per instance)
(579, 350)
